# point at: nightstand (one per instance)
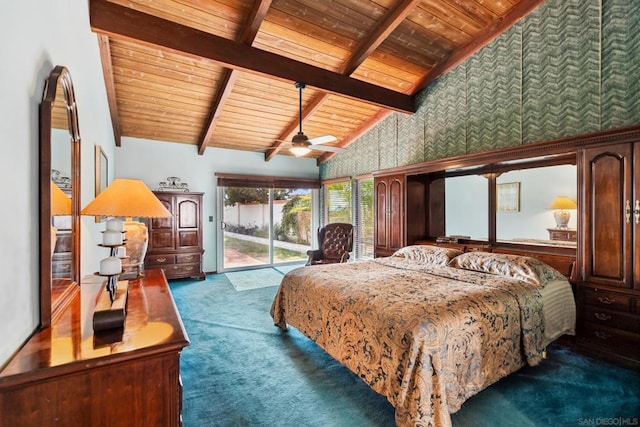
(566, 234)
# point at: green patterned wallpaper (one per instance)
(620, 63)
(561, 70)
(570, 67)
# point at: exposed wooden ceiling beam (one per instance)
(370, 44)
(226, 87)
(519, 11)
(259, 11)
(109, 84)
(379, 35)
(118, 21)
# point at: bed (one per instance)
(429, 327)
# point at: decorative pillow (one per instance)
(427, 253)
(515, 266)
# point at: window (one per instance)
(364, 235)
(352, 202)
(338, 202)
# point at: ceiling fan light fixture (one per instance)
(300, 149)
(300, 139)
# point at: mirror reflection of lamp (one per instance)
(129, 198)
(60, 205)
(562, 204)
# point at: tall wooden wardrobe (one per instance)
(390, 212)
(175, 244)
(609, 289)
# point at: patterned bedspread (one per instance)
(427, 339)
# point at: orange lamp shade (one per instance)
(127, 198)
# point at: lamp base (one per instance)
(136, 246)
(562, 218)
(108, 315)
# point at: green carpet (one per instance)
(240, 370)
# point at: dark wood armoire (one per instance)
(608, 293)
(389, 211)
(175, 244)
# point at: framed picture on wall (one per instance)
(508, 196)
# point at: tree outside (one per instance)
(296, 220)
(338, 201)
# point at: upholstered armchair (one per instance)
(335, 241)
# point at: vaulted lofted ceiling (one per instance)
(221, 73)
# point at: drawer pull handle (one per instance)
(189, 268)
(65, 267)
(189, 258)
(627, 211)
(161, 259)
(636, 212)
(605, 300)
(602, 335)
(602, 316)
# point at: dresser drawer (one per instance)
(611, 337)
(562, 234)
(607, 300)
(182, 270)
(61, 268)
(613, 319)
(187, 258)
(160, 260)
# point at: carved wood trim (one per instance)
(565, 145)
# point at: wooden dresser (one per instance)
(175, 244)
(66, 375)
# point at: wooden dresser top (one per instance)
(153, 325)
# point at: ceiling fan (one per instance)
(301, 144)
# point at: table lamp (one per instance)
(129, 198)
(124, 198)
(561, 204)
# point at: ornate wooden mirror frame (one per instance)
(58, 111)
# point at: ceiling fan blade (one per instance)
(322, 139)
(329, 148)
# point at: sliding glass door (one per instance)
(264, 226)
(246, 227)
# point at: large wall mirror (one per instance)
(59, 195)
(522, 195)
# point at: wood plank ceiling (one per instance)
(221, 73)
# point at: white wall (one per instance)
(153, 162)
(36, 35)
